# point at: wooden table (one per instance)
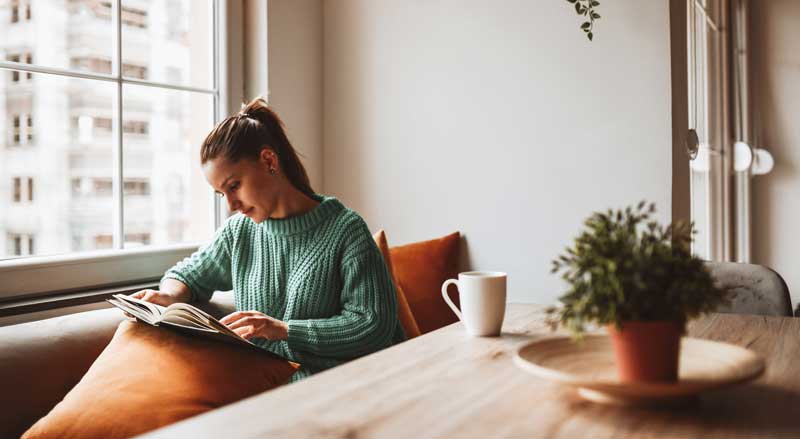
(446, 384)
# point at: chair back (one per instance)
(755, 289)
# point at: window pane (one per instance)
(166, 198)
(168, 41)
(47, 188)
(71, 34)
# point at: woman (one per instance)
(309, 282)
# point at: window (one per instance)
(16, 130)
(111, 125)
(103, 241)
(106, 241)
(25, 58)
(28, 60)
(23, 189)
(17, 189)
(103, 123)
(103, 126)
(21, 133)
(137, 238)
(14, 73)
(134, 71)
(20, 244)
(17, 6)
(135, 127)
(136, 187)
(130, 16)
(103, 187)
(103, 65)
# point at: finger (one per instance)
(253, 321)
(232, 317)
(156, 297)
(139, 294)
(245, 332)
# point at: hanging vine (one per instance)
(586, 8)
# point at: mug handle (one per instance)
(447, 298)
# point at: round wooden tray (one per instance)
(589, 365)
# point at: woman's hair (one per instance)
(244, 135)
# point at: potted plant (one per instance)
(639, 279)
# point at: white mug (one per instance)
(483, 301)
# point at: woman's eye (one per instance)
(234, 187)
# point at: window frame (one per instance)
(38, 276)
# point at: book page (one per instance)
(209, 321)
(139, 312)
(182, 315)
(155, 310)
(187, 323)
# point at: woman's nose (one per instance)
(233, 204)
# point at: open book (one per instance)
(181, 316)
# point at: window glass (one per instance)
(53, 33)
(168, 41)
(59, 151)
(48, 197)
(166, 198)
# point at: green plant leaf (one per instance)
(626, 266)
(585, 25)
(595, 15)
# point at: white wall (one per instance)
(498, 119)
(775, 63)
(295, 76)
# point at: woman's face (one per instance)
(247, 185)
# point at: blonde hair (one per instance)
(244, 135)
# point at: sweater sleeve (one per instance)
(208, 269)
(368, 319)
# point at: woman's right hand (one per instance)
(157, 297)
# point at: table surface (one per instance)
(447, 384)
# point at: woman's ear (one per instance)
(269, 160)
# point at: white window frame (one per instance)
(46, 275)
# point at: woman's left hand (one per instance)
(253, 324)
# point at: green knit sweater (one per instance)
(320, 272)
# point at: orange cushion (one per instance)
(421, 269)
(403, 310)
(149, 377)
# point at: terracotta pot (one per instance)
(647, 350)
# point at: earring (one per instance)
(272, 171)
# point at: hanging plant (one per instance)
(586, 8)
